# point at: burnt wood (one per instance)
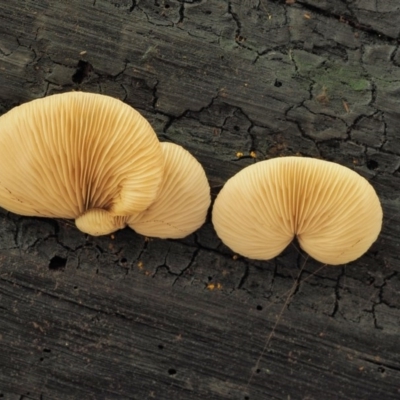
(235, 82)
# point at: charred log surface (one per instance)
(234, 82)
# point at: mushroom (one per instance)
(334, 212)
(97, 222)
(182, 201)
(78, 155)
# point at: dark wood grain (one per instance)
(122, 317)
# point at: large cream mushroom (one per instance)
(78, 155)
(334, 212)
(183, 199)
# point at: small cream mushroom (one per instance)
(334, 212)
(182, 202)
(78, 155)
(98, 222)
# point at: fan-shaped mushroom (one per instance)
(334, 212)
(183, 199)
(78, 155)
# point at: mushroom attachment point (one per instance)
(182, 201)
(97, 222)
(67, 154)
(335, 213)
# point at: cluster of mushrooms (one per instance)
(94, 159)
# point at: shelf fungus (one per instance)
(334, 213)
(183, 199)
(81, 156)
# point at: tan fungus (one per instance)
(67, 154)
(183, 199)
(334, 212)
